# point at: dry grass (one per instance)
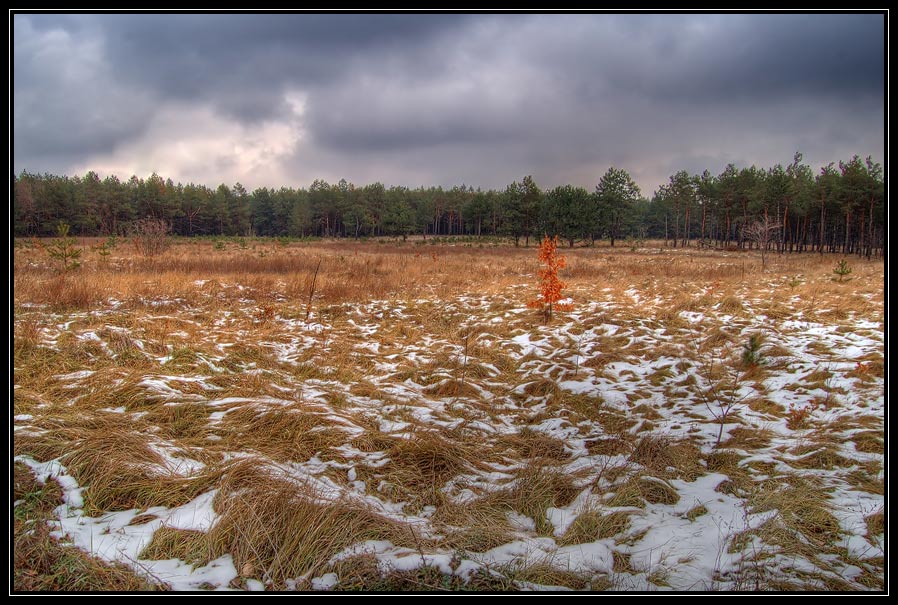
(745, 438)
(876, 524)
(484, 526)
(870, 442)
(363, 573)
(804, 524)
(663, 457)
(694, 513)
(610, 446)
(120, 472)
(592, 525)
(284, 434)
(534, 444)
(544, 574)
(187, 545)
(285, 529)
(422, 463)
(537, 487)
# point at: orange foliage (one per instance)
(550, 285)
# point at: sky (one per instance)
(281, 100)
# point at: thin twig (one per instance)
(464, 367)
(312, 291)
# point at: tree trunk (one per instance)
(845, 247)
(729, 223)
(784, 227)
(676, 226)
(870, 238)
(704, 218)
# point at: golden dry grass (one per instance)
(536, 487)
(592, 525)
(284, 529)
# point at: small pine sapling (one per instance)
(550, 286)
(104, 251)
(63, 248)
(842, 269)
(751, 352)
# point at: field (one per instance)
(196, 420)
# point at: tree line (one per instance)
(839, 209)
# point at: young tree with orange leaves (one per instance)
(550, 285)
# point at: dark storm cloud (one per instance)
(241, 62)
(64, 105)
(241, 65)
(708, 59)
(603, 81)
(483, 99)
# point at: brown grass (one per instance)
(870, 442)
(424, 462)
(663, 457)
(363, 573)
(534, 444)
(592, 525)
(536, 488)
(283, 528)
(875, 524)
(187, 545)
(745, 438)
(801, 509)
(120, 472)
(283, 434)
(610, 446)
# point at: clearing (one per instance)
(418, 427)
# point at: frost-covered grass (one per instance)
(423, 429)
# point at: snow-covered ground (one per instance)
(478, 369)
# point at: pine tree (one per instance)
(842, 269)
(64, 248)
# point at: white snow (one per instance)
(325, 582)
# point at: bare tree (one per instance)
(761, 232)
(150, 236)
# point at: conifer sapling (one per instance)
(550, 286)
